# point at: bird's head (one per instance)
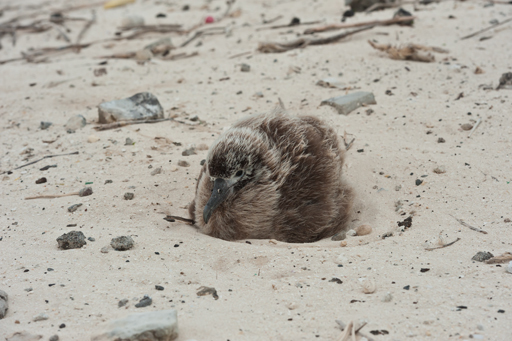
(234, 161)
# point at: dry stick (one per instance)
(86, 191)
(289, 25)
(440, 247)
(475, 126)
(115, 125)
(46, 157)
(463, 223)
(203, 32)
(240, 54)
(61, 33)
(366, 23)
(486, 29)
(273, 20)
(173, 218)
(303, 42)
(87, 25)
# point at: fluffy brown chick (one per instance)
(273, 176)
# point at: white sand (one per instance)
(267, 291)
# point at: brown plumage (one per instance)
(273, 176)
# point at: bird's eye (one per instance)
(239, 173)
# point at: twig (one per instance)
(365, 23)
(240, 54)
(486, 29)
(463, 223)
(303, 42)
(143, 29)
(61, 33)
(206, 31)
(173, 218)
(115, 125)
(46, 157)
(474, 127)
(442, 246)
(273, 20)
(504, 258)
(81, 193)
(86, 27)
(291, 24)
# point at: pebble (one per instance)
(419, 182)
(28, 289)
(84, 192)
(122, 302)
(348, 103)
(91, 239)
(129, 142)
(71, 240)
(363, 230)
(339, 236)
(387, 298)
(108, 182)
(75, 123)
(122, 243)
(93, 138)
(351, 233)
(129, 196)
(105, 249)
(467, 126)
(141, 106)
(74, 207)
(155, 325)
(441, 140)
(159, 287)
(144, 302)
(369, 286)
(4, 305)
(45, 125)
(482, 256)
(440, 170)
(245, 67)
(40, 317)
(509, 267)
(183, 163)
(189, 151)
(41, 180)
(54, 338)
(143, 55)
(343, 243)
(156, 171)
(505, 81)
(398, 187)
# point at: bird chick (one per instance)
(273, 176)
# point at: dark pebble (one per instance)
(49, 269)
(159, 287)
(51, 285)
(54, 338)
(407, 287)
(41, 181)
(176, 245)
(482, 256)
(122, 243)
(202, 162)
(71, 240)
(161, 15)
(47, 167)
(144, 302)
(441, 140)
(108, 182)
(128, 196)
(419, 182)
(62, 325)
(91, 239)
(424, 270)
(501, 311)
(336, 280)
(360, 150)
(122, 303)
(157, 253)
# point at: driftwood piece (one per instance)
(333, 27)
(272, 47)
(414, 52)
(504, 258)
(486, 29)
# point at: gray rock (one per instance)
(183, 163)
(141, 106)
(482, 256)
(156, 171)
(45, 125)
(129, 196)
(71, 240)
(122, 243)
(122, 302)
(339, 236)
(245, 68)
(74, 207)
(75, 123)
(4, 305)
(346, 104)
(189, 151)
(23, 336)
(151, 326)
(129, 142)
(505, 81)
(54, 338)
(144, 302)
(40, 317)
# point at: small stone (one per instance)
(407, 287)
(203, 291)
(129, 196)
(132, 21)
(189, 151)
(143, 55)
(348, 103)
(154, 326)
(41, 180)
(4, 305)
(156, 171)
(84, 192)
(258, 94)
(331, 82)
(108, 182)
(141, 106)
(245, 67)
(75, 123)
(509, 267)
(40, 317)
(440, 170)
(339, 236)
(93, 138)
(479, 327)
(419, 182)
(54, 338)
(351, 233)
(194, 118)
(466, 126)
(441, 140)
(45, 125)
(129, 142)
(71, 240)
(159, 287)
(28, 289)
(183, 163)
(105, 249)
(91, 239)
(505, 81)
(363, 230)
(336, 280)
(387, 298)
(122, 243)
(482, 256)
(369, 286)
(62, 325)
(122, 302)
(144, 302)
(398, 187)
(202, 162)
(74, 207)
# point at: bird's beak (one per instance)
(221, 189)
